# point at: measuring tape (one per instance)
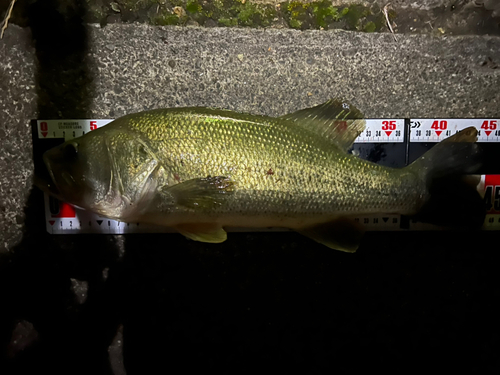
(435, 130)
(391, 142)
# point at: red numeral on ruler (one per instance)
(492, 193)
(44, 129)
(442, 125)
(388, 126)
(439, 126)
(93, 125)
(488, 126)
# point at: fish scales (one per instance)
(278, 168)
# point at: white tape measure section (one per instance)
(67, 129)
(435, 130)
(66, 219)
(382, 131)
(376, 131)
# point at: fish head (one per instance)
(77, 171)
(111, 173)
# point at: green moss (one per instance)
(296, 24)
(219, 4)
(228, 21)
(325, 13)
(177, 3)
(165, 20)
(223, 12)
(379, 21)
(97, 12)
(322, 15)
(269, 15)
(135, 5)
(193, 6)
(354, 15)
(251, 14)
(296, 14)
(370, 27)
(294, 4)
(247, 13)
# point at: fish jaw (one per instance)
(47, 186)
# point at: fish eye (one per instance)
(70, 151)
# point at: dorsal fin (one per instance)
(336, 120)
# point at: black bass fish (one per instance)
(199, 170)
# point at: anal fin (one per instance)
(341, 234)
(203, 232)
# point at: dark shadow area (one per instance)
(280, 301)
(65, 335)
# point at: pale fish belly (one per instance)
(382, 190)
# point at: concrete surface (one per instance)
(17, 104)
(277, 71)
(257, 298)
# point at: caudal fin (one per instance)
(452, 198)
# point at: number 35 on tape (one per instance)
(382, 131)
(435, 130)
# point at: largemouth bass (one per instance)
(201, 169)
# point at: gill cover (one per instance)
(79, 171)
(106, 171)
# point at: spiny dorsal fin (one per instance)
(336, 120)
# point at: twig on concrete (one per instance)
(5, 22)
(386, 14)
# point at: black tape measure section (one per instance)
(491, 155)
(41, 145)
(386, 154)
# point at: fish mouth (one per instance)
(45, 181)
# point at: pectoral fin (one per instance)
(201, 193)
(341, 234)
(205, 232)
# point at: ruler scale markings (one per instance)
(73, 220)
(435, 130)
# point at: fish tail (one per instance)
(452, 198)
